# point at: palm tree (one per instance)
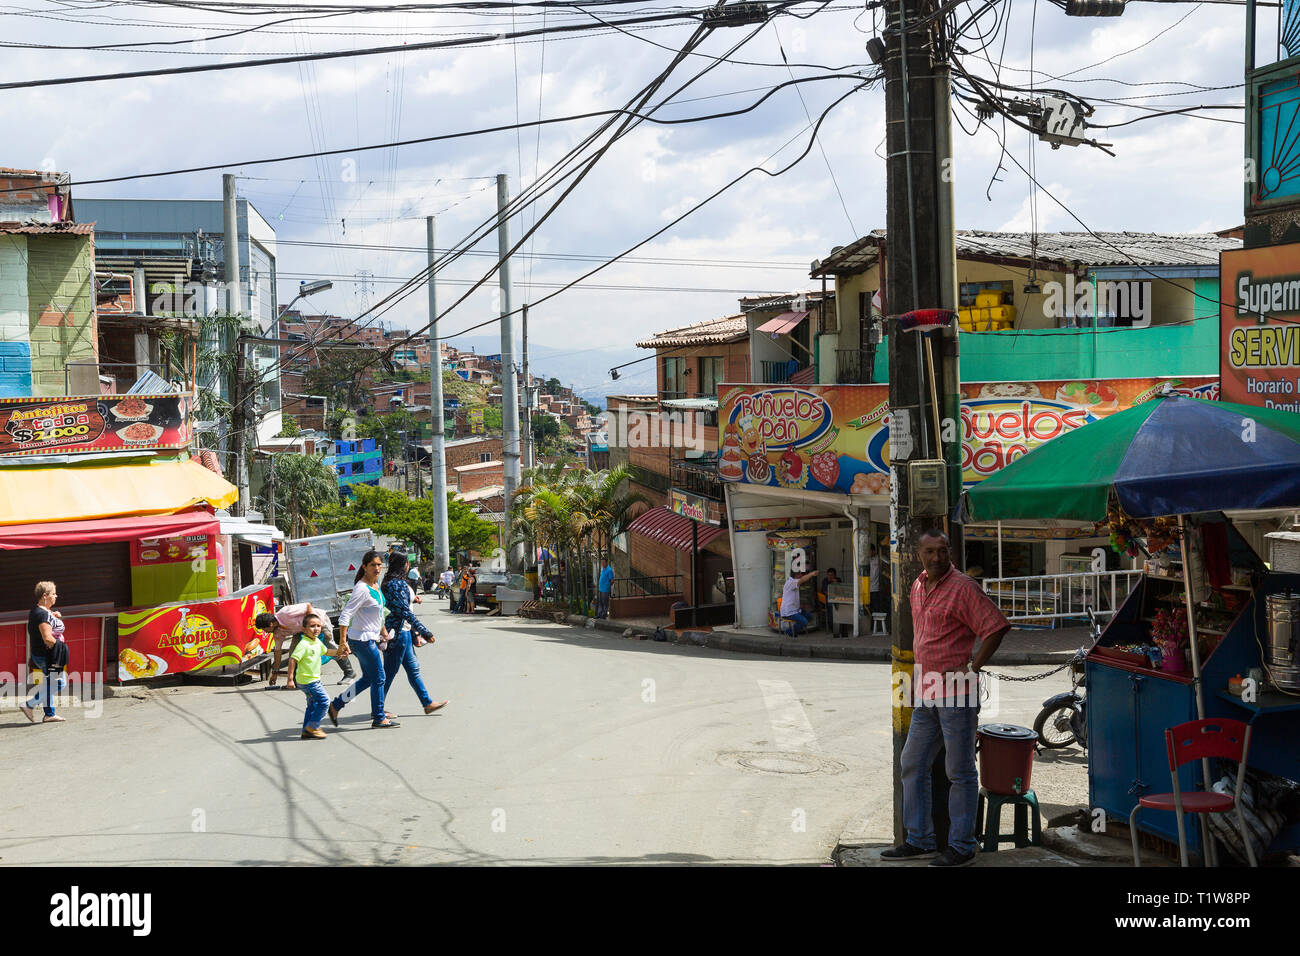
(303, 485)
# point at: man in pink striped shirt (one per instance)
(949, 614)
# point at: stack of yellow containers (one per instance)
(988, 314)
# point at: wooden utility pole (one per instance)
(921, 272)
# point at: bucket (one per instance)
(1006, 754)
(1283, 619)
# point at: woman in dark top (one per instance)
(48, 652)
(400, 622)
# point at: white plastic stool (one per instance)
(878, 624)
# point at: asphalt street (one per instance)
(561, 745)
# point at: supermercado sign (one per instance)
(836, 437)
(1259, 340)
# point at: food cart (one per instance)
(1189, 640)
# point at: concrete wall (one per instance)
(61, 313)
(15, 342)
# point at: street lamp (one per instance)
(306, 288)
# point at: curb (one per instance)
(775, 647)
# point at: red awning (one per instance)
(783, 323)
(103, 530)
(672, 529)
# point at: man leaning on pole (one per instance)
(949, 614)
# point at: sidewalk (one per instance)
(1020, 646)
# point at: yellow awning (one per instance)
(72, 492)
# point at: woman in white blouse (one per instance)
(362, 631)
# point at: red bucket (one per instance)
(1006, 754)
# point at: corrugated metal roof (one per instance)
(1072, 249)
(709, 332)
(672, 529)
(48, 228)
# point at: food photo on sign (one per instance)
(191, 636)
(94, 424)
(836, 437)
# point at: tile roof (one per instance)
(708, 332)
(1074, 249)
(48, 228)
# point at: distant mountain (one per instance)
(586, 371)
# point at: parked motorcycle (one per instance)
(1064, 717)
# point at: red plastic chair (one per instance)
(1195, 740)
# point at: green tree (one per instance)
(492, 418)
(289, 427)
(387, 430)
(393, 514)
(545, 431)
(304, 487)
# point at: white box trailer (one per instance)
(322, 568)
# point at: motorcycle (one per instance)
(1064, 717)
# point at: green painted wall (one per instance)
(60, 294)
(1046, 354)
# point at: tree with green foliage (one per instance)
(289, 427)
(393, 514)
(546, 430)
(387, 429)
(492, 418)
(304, 486)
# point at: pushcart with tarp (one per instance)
(1190, 640)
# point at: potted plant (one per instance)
(1169, 633)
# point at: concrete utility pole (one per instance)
(509, 389)
(438, 452)
(240, 397)
(921, 274)
(527, 434)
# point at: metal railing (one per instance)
(1048, 599)
(778, 373)
(853, 366)
(698, 476)
(643, 585)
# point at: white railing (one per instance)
(1048, 599)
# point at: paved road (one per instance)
(560, 745)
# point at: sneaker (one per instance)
(951, 857)
(906, 852)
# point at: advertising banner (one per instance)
(96, 423)
(193, 636)
(836, 437)
(695, 507)
(1259, 326)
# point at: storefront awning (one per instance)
(103, 530)
(76, 493)
(783, 323)
(674, 530)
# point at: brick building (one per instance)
(47, 288)
(479, 475)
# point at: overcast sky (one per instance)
(1170, 174)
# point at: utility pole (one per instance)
(527, 434)
(920, 276)
(437, 450)
(239, 439)
(509, 391)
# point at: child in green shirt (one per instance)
(304, 668)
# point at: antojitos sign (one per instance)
(1259, 326)
(836, 437)
(194, 636)
(96, 423)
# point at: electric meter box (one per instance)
(927, 483)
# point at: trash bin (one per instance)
(1006, 754)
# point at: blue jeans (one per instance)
(401, 654)
(799, 619)
(602, 603)
(372, 675)
(956, 726)
(50, 688)
(317, 703)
